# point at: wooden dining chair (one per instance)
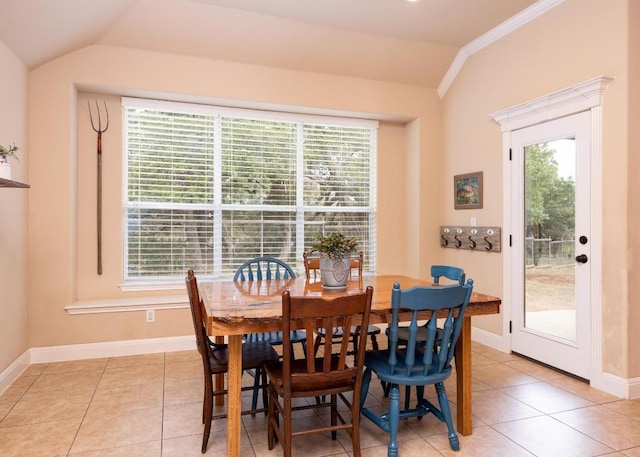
(266, 268)
(311, 267)
(423, 361)
(215, 357)
(328, 375)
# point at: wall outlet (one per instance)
(472, 223)
(151, 315)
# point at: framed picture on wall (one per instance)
(467, 191)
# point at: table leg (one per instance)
(463, 377)
(234, 406)
(219, 378)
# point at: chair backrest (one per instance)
(312, 264)
(260, 268)
(453, 273)
(435, 348)
(317, 312)
(209, 351)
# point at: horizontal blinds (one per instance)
(208, 189)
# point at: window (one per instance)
(208, 187)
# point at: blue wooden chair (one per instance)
(437, 272)
(423, 361)
(265, 268)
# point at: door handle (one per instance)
(582, 258)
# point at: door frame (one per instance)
(585, 96)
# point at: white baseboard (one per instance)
(13, 371)
(111, 349)
(490, 339)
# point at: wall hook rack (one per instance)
(470, 238)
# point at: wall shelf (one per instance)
(9, 183)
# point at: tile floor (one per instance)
(150, 406)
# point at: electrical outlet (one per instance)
(151, 315)
(473, 222)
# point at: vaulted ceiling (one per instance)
(391, 40)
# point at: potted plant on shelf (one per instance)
(335, 250)
(5, 154)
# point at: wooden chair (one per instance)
(437, 272)
(329, 375)
(311, 267)
(215, 356)
(423, 361)
(258, 269)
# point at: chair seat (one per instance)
(254, 355)
(337, 332)
(275, 338)
(378, 361)
(302, 382)
(403, 334)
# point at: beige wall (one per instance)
(62, 262)
(13, 212)
(574, 42)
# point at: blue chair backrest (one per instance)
(444, 302)
(260, 268)
(452, 273)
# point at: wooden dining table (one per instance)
(236, 308)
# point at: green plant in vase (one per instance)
(335, 250)
(5, 154)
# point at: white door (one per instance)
(551, 243)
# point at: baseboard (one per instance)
(490, 339)
(13, 371)
(110, 349)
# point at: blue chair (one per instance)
(437, 272)
(423, 361)
(258, 269)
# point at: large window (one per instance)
(208, 187)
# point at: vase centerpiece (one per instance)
(5, 154)
(335, 250)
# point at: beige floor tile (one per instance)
(183, 370)
(132, 375)
(49, 439)
(182, 356)
(484, 442)
(118, 429)
(494, 406)
(499, 375)
(5, 407)
(150, 449)
(65, 383)
(35, 369)
(629, 408)
(75, 365)
(407, 448)
(633, 452)
(126, 398)
(546, 397)
(47, 408)
(605, 425)
(546, 437)
(17, 389)
(189, 446)
(183, 391)
(583, 389)
(534, 369)
(493, 354)
(186, 420)
(134, 360)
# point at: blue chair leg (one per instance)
(446, 412)
(366, 379)
(394, 420)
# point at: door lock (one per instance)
(582, 258)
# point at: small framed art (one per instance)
(467, 191)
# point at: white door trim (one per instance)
(585, 96)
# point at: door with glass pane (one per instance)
(551, 243)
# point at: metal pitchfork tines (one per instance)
(99, 130)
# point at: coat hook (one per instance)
(489, 244)
(458, 241)
(473, 242)
(445, 241)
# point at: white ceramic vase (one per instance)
(5, 170)
(334, 273)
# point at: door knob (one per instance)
(582, 258)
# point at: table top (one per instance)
(245, 306)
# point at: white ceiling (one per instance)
(391, 40)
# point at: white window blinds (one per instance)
(208, 188)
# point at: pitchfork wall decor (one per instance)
(99, 129)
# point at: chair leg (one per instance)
(286, 435)
(256, 386)
(374, 342)
(446, 412)
(208, 412)
(394, 420)
(271, 420)
(265, 394)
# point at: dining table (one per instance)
(235, 308)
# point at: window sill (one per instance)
(127, 304)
